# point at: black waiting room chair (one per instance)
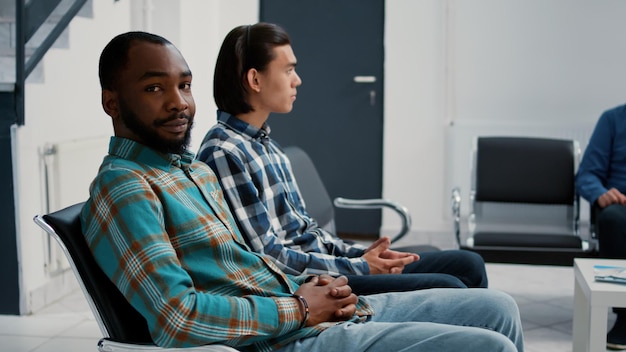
(122, 327)
(523, 200)
(321, 207)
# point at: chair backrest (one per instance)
(118, 320)
(525, 185)
(525, 170)
(318, 202)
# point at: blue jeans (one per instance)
(428, 320)
(440, 269)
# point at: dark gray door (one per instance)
(337, 117)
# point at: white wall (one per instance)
(538, 60)
(447, 61)
(413, 155)
(539, 65)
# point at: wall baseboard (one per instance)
(57, 287)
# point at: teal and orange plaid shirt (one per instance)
(160, 228)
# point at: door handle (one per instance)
(364, 79)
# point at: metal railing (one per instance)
(29, 17)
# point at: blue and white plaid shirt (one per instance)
(261, 190)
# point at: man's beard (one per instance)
(148, 133)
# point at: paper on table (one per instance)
(610, 273)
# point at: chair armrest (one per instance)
(594, 211)
(456, 213)
(401, 210)
(106, 345)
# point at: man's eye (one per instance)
(153, 89)
(185, 86)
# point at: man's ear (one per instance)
(253, 80)
(110, 103)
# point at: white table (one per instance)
(592, 301)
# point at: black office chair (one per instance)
(523, 197)
(321, 208)
(122, 327)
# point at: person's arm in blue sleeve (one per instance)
(594, 167)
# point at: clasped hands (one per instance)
(328, 298)
(331, 299)
(382, 260)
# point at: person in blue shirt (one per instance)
(601, 180)
(255, 76)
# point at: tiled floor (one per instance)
(66, 326)
(544, 295)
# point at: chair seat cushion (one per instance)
(418, 248)
(526, 240)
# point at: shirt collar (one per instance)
(243, 127)
(131, 150)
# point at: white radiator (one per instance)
(67, 169)
(461, 137)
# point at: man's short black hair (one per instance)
(115, 55)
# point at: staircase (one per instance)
(44, 26)
(28, 29)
